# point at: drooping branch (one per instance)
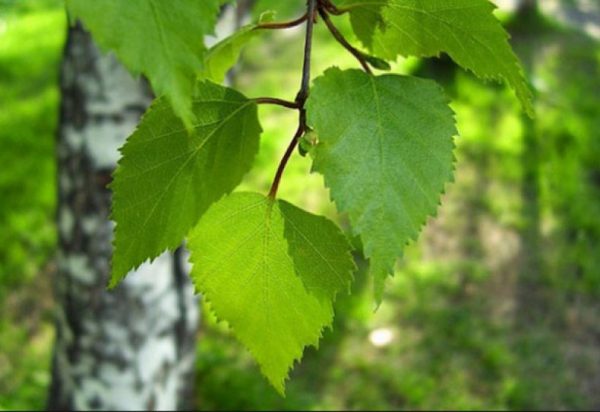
(300, 97)
(305, 84)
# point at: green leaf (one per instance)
(224, 55)
(365, 17)
(271, 271)
(167, 178)
(161, 39)
(466, 30)
(385, 150)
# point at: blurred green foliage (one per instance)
(495, 307)
(31, 35)
(28, 97)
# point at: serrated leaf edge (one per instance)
(298, 354)
(115, 280)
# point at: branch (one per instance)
(300, 97)
(305, 85)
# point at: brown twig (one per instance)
(277, 102)
(283, 25)
(342, 40)
(286, 157)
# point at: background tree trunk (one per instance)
(132, 348)
(527, 30)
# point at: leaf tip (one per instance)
(114, 281)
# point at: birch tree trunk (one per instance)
(132, 348)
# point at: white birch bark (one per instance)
(132, 348)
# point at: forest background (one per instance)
(496, 306)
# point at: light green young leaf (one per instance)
(271, 271)
(167, 178)
(224, 55)
(466, 30)
(385, 150)
(161, 39)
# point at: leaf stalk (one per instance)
(277, 102)
(283, 25)
(342, 40)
